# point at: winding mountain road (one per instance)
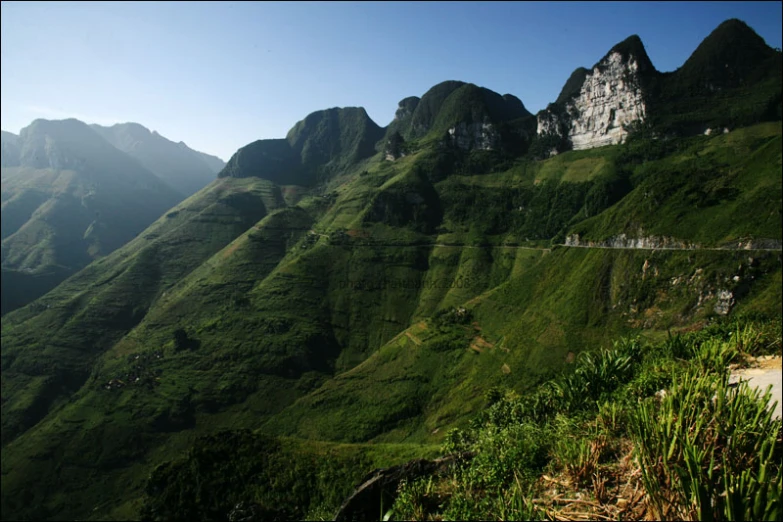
(720, 249)
(549, 249)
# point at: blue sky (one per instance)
(220, 75)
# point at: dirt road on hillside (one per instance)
(768, 371)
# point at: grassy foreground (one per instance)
(603, 442)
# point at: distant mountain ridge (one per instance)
(70, 194)
(185, 169)
(596, 107)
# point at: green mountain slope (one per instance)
(732, 79)
(315, 149)
(351, 306)
(78, 321)
(702, 194)
(450, 104)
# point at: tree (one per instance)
(182, 340)
(395, 144)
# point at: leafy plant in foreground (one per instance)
(709, 452)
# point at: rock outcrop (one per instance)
(643, 242)
(610, 98)
(406, 107)
(379, 487)
(724, 303)
(474, 136)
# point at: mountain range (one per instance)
(73, 193)
(340, 299)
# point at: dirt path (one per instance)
(413, 338)
(768, 371)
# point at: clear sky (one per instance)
(218, 75)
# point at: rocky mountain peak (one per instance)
(731, 56)
(334, 136)
(596, 105)
(428, 108)
(631, 50)
(405, 107)
(59, 144)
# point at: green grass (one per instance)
(704, 451)
(702, 193)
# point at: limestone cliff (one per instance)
(610, 97)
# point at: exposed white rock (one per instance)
(725, 302)
(623, 241)
(392, 157)
(610, 98)
(763, 244)
(475, 136)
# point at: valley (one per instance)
(504, 291)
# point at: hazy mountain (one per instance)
(185, 169)
(9, 154)
(213, 162)
(354, 294)
(69, 197)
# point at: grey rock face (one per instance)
(610, 98)
(475, 136)
(725, 302)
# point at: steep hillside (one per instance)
(184, 169)
(70, 197)
(344, 298)
(702, 194)
(321, 320)
(88, 313)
